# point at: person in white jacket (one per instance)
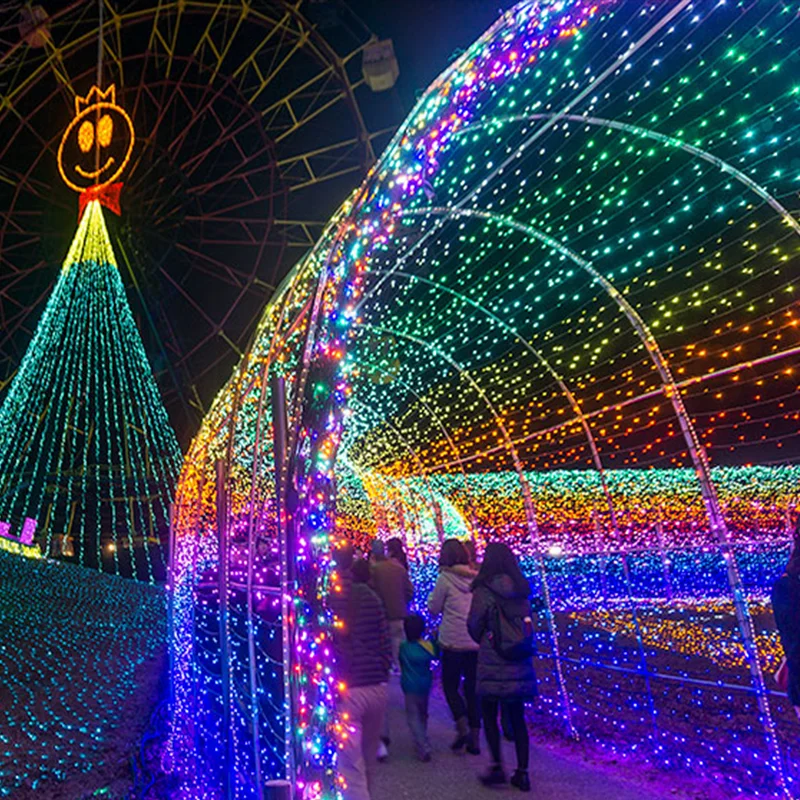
(451, 597)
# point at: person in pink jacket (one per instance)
(451, 597)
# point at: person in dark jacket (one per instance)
(500, 583)
(390, 580)
(364, 663)
(451, 597)
(395, 550)
(786, 608)
(343, 559)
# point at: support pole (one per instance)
(171, 606)
(665, 562)
(278, 394)
(277, 790)
(224, 642)
(255, 706)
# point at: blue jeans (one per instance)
(417, 716)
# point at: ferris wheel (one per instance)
(250, 131)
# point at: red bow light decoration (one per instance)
(106, 194)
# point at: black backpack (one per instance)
(511, 637)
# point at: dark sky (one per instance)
(426, 33)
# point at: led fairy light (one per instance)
(553, 177)
(52, 729)
(87, 450)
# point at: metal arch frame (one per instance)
(629, 401)
(696, 451)
(649, 133)
(593, 449)
(411, 451)
(438, 421)
(566, 391)
(530, 511)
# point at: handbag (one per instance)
(782, 676)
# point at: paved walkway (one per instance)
(453, 777)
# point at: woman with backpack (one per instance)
(500, 621)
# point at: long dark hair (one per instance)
(499, 560)
(453, 552)
(394, 547)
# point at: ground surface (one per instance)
(81, 656)
(556, 773)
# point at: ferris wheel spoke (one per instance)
(238, 174)
(221, 268)
(13, 323)
(202, 107)
(251, 60)
(188, 297)
(275, 70)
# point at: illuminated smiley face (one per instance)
(97, 144)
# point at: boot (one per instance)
(474, 743)
(494, 776)
(521, 780)
(462, 734)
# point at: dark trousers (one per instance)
(417, 716)
(515, 709)
(458, 665)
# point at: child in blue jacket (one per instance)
(416, 655)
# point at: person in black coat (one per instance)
(365, 653)
(500, 583)
(786, 608)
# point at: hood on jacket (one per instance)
(504, 586)
(459, 577)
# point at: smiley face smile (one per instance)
(94, 173)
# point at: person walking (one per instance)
(364, 655)
(343, 560)
(390, 580)
(416, 655)
(395, 550)
(786, 608)
(451, 597)
(500, 621)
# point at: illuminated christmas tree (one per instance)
(88, 459)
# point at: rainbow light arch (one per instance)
(559, 310)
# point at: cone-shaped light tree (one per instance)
(86, 450)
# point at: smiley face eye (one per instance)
(86, 136)
(105, 130)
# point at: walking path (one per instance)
(453, 777)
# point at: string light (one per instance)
(74, 640)
(564, 289)
(86, 450)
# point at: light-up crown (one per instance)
(95, 96)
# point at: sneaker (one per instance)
(383, 752)
(494, 777)
(474, 742)
(521, 780)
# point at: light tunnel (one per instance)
(560, 311)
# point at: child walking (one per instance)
(416, 655)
